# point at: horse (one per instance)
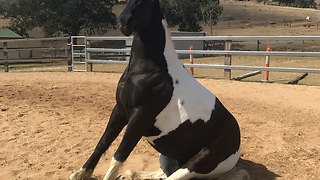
(159, 100)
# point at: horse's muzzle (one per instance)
(126, 24)
(125, 30)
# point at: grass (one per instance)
(37, 67)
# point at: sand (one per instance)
(51, 122)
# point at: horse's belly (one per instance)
(185, 141)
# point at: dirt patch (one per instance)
(50, 123)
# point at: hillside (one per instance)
(249, 18)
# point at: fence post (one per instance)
(258, 45)
(52, 52)
(88, 56)
(227, 60)
(266, 75)
(5, 56)
(191, 61)
(70, 43)
(290, 24)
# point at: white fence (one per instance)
(85, 54)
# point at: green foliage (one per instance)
(305, 4)
(298, 3)
(188, 14)
(21, 18)
(170, 12)
(61, 16)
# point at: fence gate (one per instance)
(79, 53)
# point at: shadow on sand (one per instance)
(256, 171)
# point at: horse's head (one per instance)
(137, 15)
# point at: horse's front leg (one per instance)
(141, 119)
(114, 127)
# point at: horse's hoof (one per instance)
(243, 175)
(128, 175)
(140, 175)
(82, 174)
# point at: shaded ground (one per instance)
(50, 123)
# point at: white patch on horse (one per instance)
(81, 174)
(221, 170)
(226, 165)
(113, 170)
(190, 100)
(180, 174)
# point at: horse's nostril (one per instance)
(126, 24)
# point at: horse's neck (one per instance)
(157, 36)
(154, 44)
(150, 40)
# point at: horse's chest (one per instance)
(190, 102)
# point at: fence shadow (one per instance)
(256, 171)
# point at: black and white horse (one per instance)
(158, 99)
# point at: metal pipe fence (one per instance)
(227, 52)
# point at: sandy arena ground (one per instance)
(50, 123)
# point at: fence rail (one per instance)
(220, 52)
(213, 38)
(227, 52)
(58, 49)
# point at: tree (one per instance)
(210, 13)
(170, 12)
(21, 15)
(298, 3)
(188, 14)
(305, 4)
(61, 16)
